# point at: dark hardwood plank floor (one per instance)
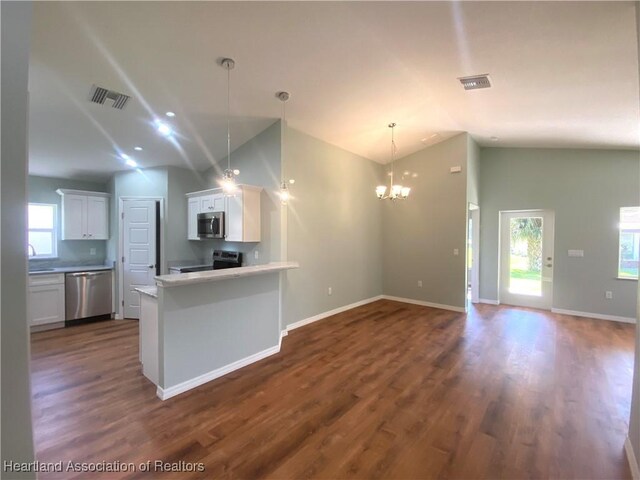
(387, 390)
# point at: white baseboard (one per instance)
(284, 333)
(117, 316)
(425, 304)
(488, 301)
(631, 458)
(598, 316)
(166, 393)
(335, 311)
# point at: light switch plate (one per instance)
(256, 254)
(456, 169)
(576, 253)
(456, 251)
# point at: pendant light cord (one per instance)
(228, 118)
(393, 156)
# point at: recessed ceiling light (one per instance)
(164, 129)
(131, 163)
(137, 149)
(170, 114)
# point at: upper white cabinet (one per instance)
(242, 219)
(242, 212)
(85, 215)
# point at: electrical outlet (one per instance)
(92, 251)
(456, 252)
(256, 254)
(329, 291)
(608, 295)
(420, 283)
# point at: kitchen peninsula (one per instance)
(196, 327)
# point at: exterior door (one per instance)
(139, 251)
(526, 258)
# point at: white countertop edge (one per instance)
(150, 291)
(216, 275)
(79, 268)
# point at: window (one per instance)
(629, 252)
(42, 231)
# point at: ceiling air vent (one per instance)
(476, 81)
(111, 98)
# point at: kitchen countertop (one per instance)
(225, 274)
(151, 291)
(80, 268)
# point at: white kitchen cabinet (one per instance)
(212, 203)
(242, 212)
(85, 215)
(193, 210)
(45, 304)
(243, 215)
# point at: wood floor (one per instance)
(387, 390)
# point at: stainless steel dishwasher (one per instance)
(87, 294)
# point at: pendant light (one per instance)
(396, 191)
(228, 181)
(284, 193)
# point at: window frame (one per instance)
(53, 230)
(618, 276)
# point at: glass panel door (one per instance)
(526, 258)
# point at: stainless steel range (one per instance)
(221, 259)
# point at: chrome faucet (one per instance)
(33, 250)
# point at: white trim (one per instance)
(165, 393)
(330, 313)
(117, 316)
(284, 333)
(488, 301)
(425, 304)
(598, 316)
(631, 458)
(66, 191)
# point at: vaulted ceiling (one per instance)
(564, 74)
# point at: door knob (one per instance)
(151, 266)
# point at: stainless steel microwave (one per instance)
(211, 225)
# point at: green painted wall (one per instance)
(586, 189)
(421, 233)
(334, 227)
(70, 252)
(17, 435)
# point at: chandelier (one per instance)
(396, 191)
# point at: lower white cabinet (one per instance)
(45, 304)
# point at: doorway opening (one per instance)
(473, 254)
(140, 250)
(526, 258)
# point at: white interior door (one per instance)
(139, 251)
(526, 258)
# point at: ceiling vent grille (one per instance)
(111, 98)
(476, 81)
